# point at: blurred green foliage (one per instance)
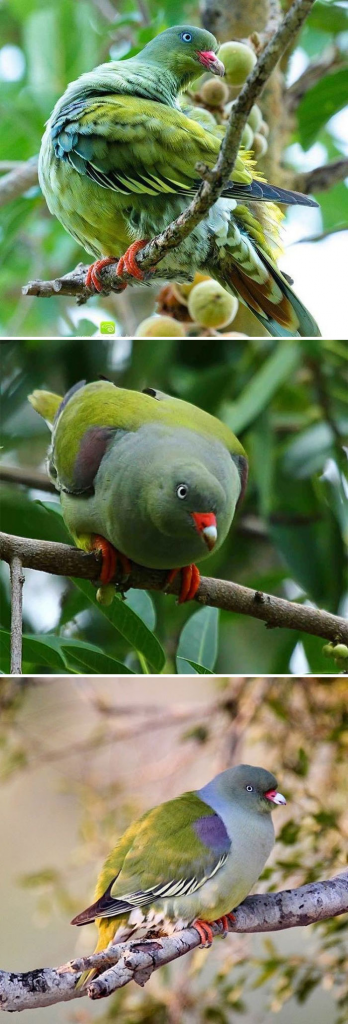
(46, 44)
(287, 402)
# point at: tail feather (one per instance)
(46, 404)
(261, 191)
(272, 301)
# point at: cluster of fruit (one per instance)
(184, 307)
(218, 95)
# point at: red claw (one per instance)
(190, 580)
(128, 261)
(111, 560)
(93, 281)
(225, 921)
(205, 933)
(205, 930)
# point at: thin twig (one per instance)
(331, 60)
(18, 181)
(309, 904)
(213, 180)
(63, 560)
(27, 477)
(17, 580)
(321, 178)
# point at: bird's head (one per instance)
(185, 51)
(185, 500)
(254, 788)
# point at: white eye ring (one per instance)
(186, 37)
(249, 789)
(181, 491)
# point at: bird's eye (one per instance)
(182, 490)
(249, 789)
(186, 37)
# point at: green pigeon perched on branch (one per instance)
(189, 861)
(118, 164)
(143, 477)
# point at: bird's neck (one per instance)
(211, 795)
(152, 81)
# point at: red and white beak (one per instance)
(211, 62)
(275, 797)
(206, 524)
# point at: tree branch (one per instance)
(213, 180)
(65, 560)
(309, 904)
(322, 178)
(17, 580)
(331, 60)
(27, 477)
(18, 180)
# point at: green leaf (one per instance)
(199, 669)
(37, 651)
(320, 103)
(88, 656)
(198, 641)
(141, 603)
(307, 452)
(276, 370)
(328, 17)
(129, 624)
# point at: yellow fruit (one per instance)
(255, 118)
(247, 137)
(260, 145)
(184, 290)
(105, 594)
(214, 92)
(239, 61)
(340, 651)
(211, 306)
(160, 327)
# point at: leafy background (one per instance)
(80, 759)
(46, 44)
(287, 401)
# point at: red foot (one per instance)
(205, 933)
(190, 580)
(224, 921)
(128, 261)
(93, 281)
(112, 559)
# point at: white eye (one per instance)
(181, 491)
(249, 789)
(186, 37)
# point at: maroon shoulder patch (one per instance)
(92, 450)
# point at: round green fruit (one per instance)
(211, 306)
(255, 118)
(260, 146)
(247, 137)
(160, 327)
(340, 651)
(214, 92)
(239, 61)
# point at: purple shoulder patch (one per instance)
(91, 452)
(211, 831)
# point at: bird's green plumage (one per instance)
(195, 856)
(118, 163)
(118, 457)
